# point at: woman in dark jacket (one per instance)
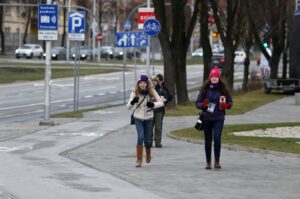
(213, 99)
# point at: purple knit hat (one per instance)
(143, 78)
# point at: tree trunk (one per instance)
(27, 25)
(246, 70)
(204, 39)
(228, 70)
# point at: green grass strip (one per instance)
(287, 145)
(13, 74)
(241, 103)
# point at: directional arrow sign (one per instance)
(131, 39)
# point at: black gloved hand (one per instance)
(135, 100)
(150, 104)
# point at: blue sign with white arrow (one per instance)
(132, 39)
(152, 27)
(76, 25)
(127, 25)
(47, 22)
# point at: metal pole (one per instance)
(124, 70)
(148, 49)
(78, 77)
(94, 28)
(99, 51)
(75, 82)
(19, 24)
(47, 82)
(68, 41)
(134, 63)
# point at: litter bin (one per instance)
(297, 98)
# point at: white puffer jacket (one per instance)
(143, 112)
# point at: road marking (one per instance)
(87, 134)
(88, 96)
(37, 104)
(16, 148)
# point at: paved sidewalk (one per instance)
(176, 171)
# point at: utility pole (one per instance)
(148, 50)
(68, 41)
(94, 26)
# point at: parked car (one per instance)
(218, 60)
(58, 53)
(30, 51)
(197, 53)
(240, 57)
(83, 52)
(134, 52)
(131, 52)
(107, 52)
(118, 53)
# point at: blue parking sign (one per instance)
(47, 22)
(76, 25)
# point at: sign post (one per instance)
(99, 39)
(76, 32)
(47, 30)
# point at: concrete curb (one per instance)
(236, 147)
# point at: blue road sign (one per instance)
(152, 27)
(47, 22)
(127, 25)
(132, 39)
(76, 25)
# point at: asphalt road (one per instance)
(24, 101)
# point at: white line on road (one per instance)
(37, 104)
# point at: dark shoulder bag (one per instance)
(132, 120)
(199, 124)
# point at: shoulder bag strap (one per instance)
(139, 104)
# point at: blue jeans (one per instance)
(144, 131)
(213, 128)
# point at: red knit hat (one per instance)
(215, 72)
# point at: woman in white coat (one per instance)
(141, 100)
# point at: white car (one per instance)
(197, 53)
(30, 51)
(240, 57)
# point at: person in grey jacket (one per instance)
(141, 101)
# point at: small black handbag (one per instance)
(199, 124)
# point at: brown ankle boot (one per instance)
(208, 165)
(217, 163)
(148, 154)
(139, 155)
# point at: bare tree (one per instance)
(227, 25)
(174, 42)
(204, 38)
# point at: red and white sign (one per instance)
(143, 15)
(99, 37)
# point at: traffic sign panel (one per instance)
(76, 25)
(131, 39)
(47, 22)
(99, 37)
(152, 27)
(143, 15)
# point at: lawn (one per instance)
(14, 74)
(241, 103)
(287, 145)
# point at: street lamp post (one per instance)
(68, 41)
